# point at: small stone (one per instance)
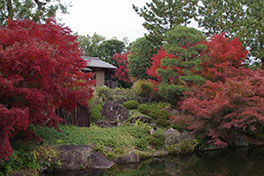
(107, 124)
(151, 131)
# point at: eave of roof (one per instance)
(96, 62)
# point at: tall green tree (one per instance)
(163, 15)
(253, 33)
(36, 10)
(181, 72)
(139, 58)
(221, 16)
(90, 44)
(108, 48)
(237, 18)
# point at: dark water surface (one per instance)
(231, 162)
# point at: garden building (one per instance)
(100, 68)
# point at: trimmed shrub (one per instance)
(161, 117)
(131, 104)
(116, 94)
(153, 111)
(103, 92)
(144, 109)
(145, 88)
(95, 112)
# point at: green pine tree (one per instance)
(180, 73)
(163, 15)
(237, 18)
(36, 10)
(139, 58)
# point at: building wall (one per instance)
(100, 77)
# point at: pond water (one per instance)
(231, 162)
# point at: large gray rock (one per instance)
(74, 156)
(172, 136)
(113, 111)
(99, 161)
(131, 157)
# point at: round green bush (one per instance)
(153, 111)
(144, 109)
(144, 88)
(131, 104)
(95, 113)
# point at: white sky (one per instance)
(109, 18)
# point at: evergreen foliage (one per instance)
(237, 18)
(90, 44)
(36, 10)
(108, 48)
(139, 58)
(186, 45)
(163, 15)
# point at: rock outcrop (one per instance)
(113, 111)
(74, 156)
(131, 157)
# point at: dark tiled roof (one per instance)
(96, 62)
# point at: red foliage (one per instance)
(121, 72)
(39, 71)
(219, 109)
(232, 99)
(156, 64)
(221, 55)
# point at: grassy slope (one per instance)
(120, 139)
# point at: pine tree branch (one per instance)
(40, 4)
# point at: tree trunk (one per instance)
(10, 9)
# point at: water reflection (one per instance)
(231, 162)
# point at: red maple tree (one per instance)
(40, 71)
(121, 72)
(217, 109)
(220, 55)
(232, 99)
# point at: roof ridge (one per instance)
(88, 57)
